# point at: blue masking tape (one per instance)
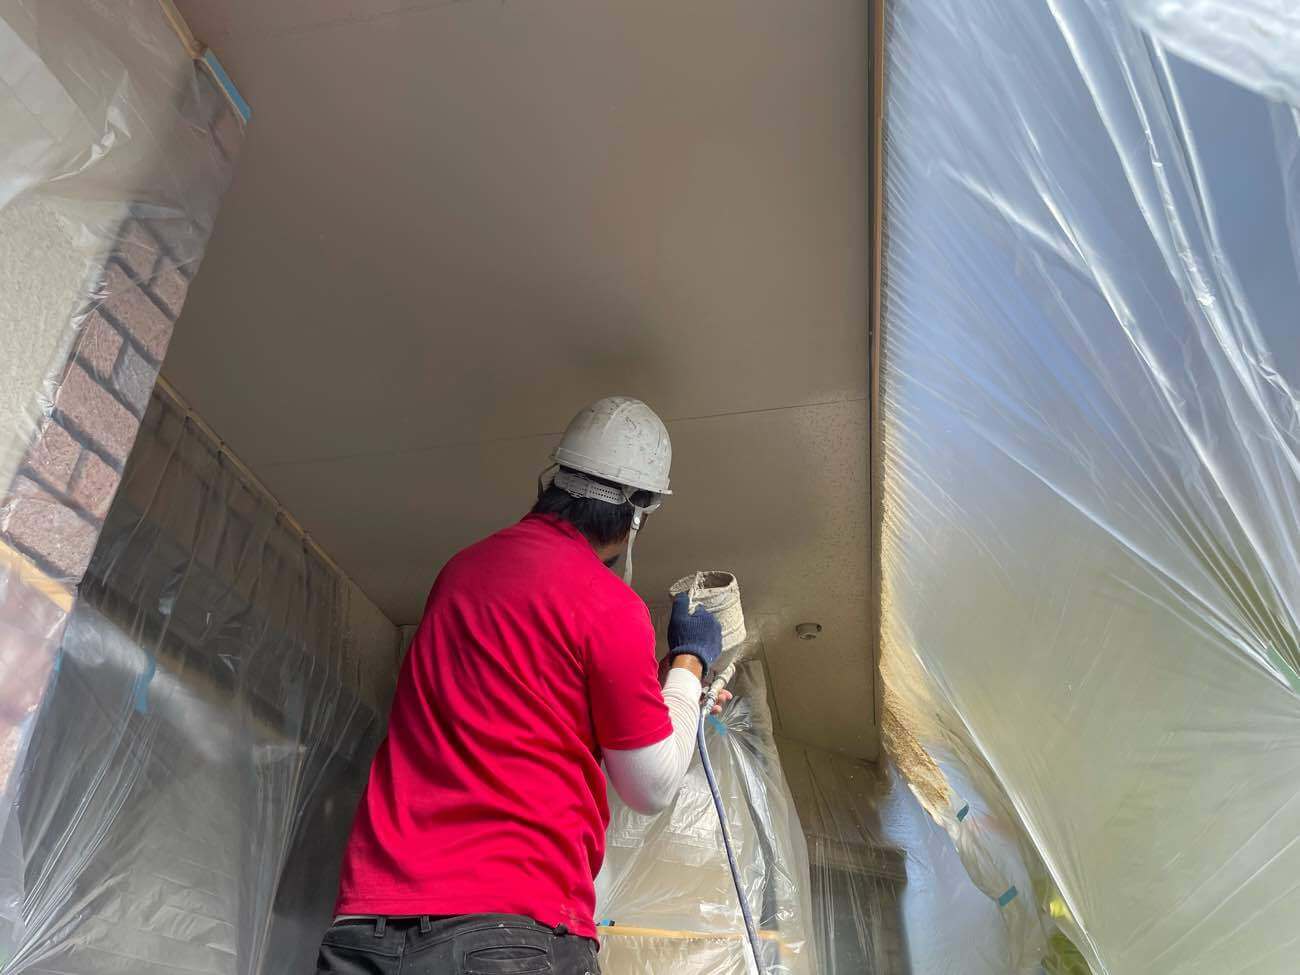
(963, 812)
(142, 686)
(717, 725)
(1008, 897)
(236, 99)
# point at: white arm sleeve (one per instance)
(648, 778)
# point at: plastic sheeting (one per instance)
(665, 897)
(1256, 44)
(1091, 551)
(891, 895)
(195, 767)
(105, 120)
(115, 149)
(857, 877)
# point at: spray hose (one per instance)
(710, 700)
(719, 593)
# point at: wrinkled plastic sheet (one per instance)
(1255, 43)
(1091, 470)
(665, 897)
(890, 892)
(115, 148)
(114, 142)
(196, 763)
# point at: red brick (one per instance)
(54, 456)
(139, 249)
(99, 345)
(170, 285)
(94, 485)
(38, 522)
(90, 409)
(134, 380)
(136, 311)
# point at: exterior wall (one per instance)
(115, 150)
(198, 758)
(44, 280)
(66, 481)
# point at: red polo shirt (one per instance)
(487, 794)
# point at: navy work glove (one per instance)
(698, 633)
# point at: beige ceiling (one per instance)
(455, 223)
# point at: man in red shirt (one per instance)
(476, 844)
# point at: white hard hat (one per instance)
(621, 440)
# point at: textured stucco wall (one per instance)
(44, 280)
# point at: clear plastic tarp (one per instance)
(1254, 43)
(1091, 470)
(115, 149)
(665, 897)
(197, 761)
(1091, 588)
(891, 895)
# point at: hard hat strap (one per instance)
(580, 486)
(638, 518)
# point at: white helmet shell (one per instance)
(621, 440)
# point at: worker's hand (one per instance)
(698, 633)
(723, 697)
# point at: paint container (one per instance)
(719, 593)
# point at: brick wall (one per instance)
(64, 487)
(182, 125)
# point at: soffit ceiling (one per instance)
(454, 224)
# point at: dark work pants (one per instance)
(470, 944)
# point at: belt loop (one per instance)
(425, 924)
(381, 925)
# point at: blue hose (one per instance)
(750, 930)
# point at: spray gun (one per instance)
(716, 686)
(719, 593)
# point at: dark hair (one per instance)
(601, 522)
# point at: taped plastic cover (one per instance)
(197, 761)
(115, 149)
(665, 898)
(1091, 471)
(890, 893)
